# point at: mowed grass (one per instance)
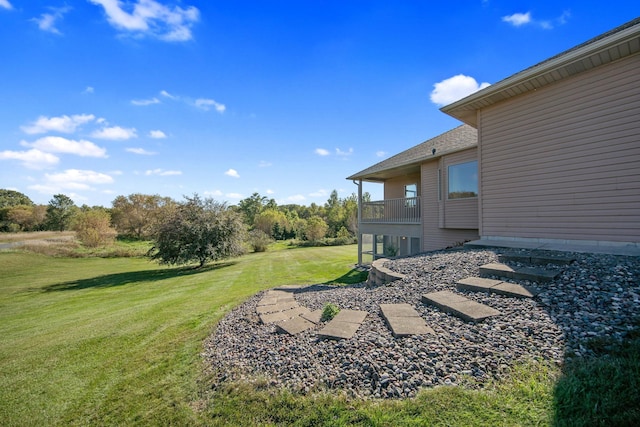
(118, 340)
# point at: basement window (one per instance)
(463, 180)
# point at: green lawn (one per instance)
(117, 341)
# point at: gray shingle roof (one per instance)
(409, 161)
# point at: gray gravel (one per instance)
(598, 296)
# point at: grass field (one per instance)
(117, 341)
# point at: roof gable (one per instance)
(608, 47)
(409, 161)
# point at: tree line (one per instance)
(176, 226)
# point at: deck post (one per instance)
(359, 234)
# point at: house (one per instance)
(557, 157)
(430, 197)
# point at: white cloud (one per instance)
(115, 133)
(58, 144)
(216, 193)
(520, 19)
(381, 153)
(89, 90)
(517, 19)
(76, 179)
(149, 17)
(296, 198)
(167, 94)
(269, 191)
(5, 4)
(64, 124)
(232, 173)
(72, 180)
(320, 193)
(47, 21)
(140, 151)
(322, 152)
(206, 104)
(31, 159)
(162, 172)
(145, 102)
(454, 89)
(339, 152)
(264, 164)
(234, 196)
(157, 134)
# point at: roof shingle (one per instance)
(457, 139)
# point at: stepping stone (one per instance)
(295, 325)
(524, 273)
(404, 320)
(466, 309)
(344, 325)
(478, 284)
(279, 316)
(280, 306)
(274, 299)
(313, 316)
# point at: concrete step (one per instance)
(479, 284)
(533, 274)
(404, 320)
(537, 259)
(344, 325)
(460, 306)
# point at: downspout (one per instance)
(359, 235)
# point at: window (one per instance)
(463, 180)
(410, 192)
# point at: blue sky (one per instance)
(102, 98)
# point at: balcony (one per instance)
(392, 211)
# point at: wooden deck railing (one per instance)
(394, 211)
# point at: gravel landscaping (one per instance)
(594, 300)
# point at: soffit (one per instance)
(618, 43)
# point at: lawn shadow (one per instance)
(352, 277)
(126, 278)
(601, 390)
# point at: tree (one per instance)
(60, 212)
(198, 230)
(252, 206)
(26, 217)
(139, 214)
(316, 228)
(259, 240)
(93, 227)
(10, 198)
(271, 221)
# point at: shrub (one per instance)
(329, 311)
(259, 240)
(93, 228)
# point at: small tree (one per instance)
(198, 230)
(60, 212)
(26, 217)
(259, 240)
(138, 214)
(93, 228)
(316, 228)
